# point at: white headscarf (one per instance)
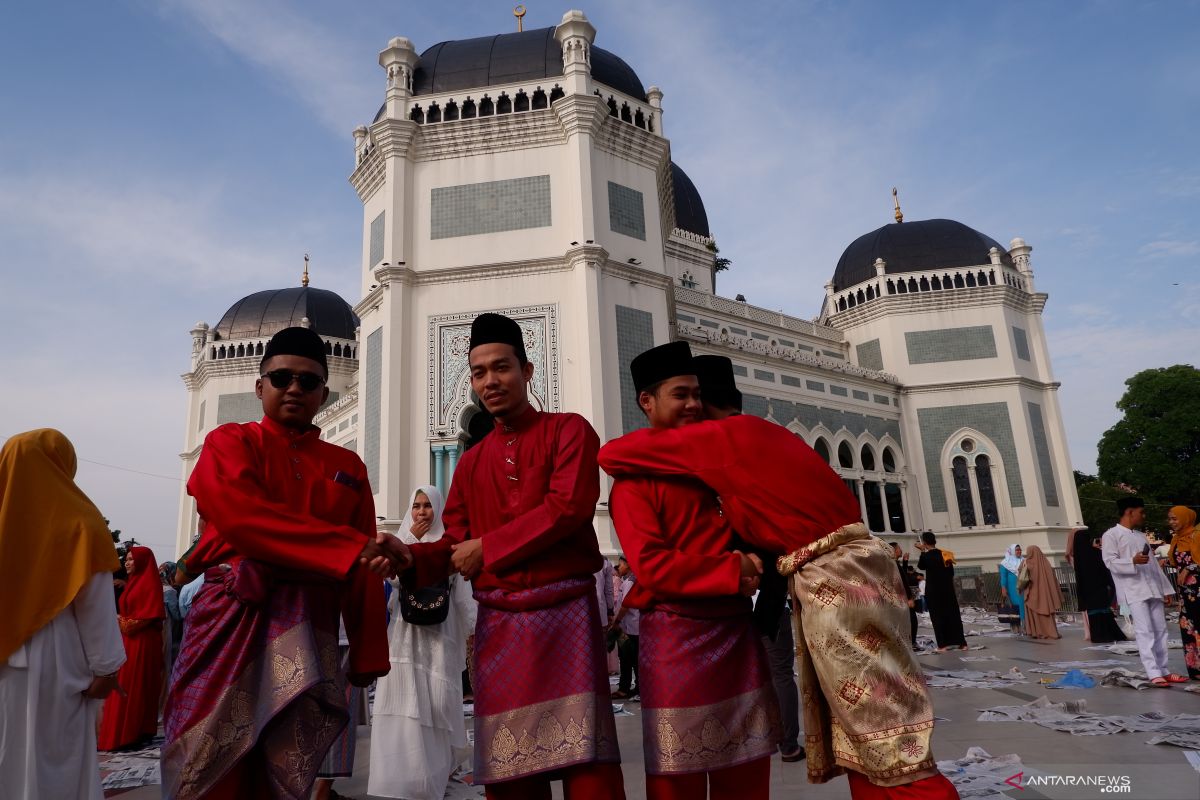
(1011, 562)
(436, 529)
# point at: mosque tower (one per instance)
(524, 173)
(957, 319)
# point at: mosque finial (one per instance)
(896, 199)
(519, 12)
(304, 278)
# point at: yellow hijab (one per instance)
(1186, 536)
(52, 538)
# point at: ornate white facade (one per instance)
(547, 193)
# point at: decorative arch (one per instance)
(976, 491)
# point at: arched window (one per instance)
(822, 448)
(434, 114)
(925, 283)
(639, 119)
(895, 507)
(842, 304)
(486, 107)
(889, 460)
(556, 93)
(962, 491)
(241, 351)
(626, 114)
(451, 111)
(417, 115)
(522, 101)
(258, 349)
(504, 104)
(468, 109)
(958, 280)
(868, 457)
(971, 279)
(874, 504)
(987, 490)
(612, 107)
(539, 99)
(845, 456)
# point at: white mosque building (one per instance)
(529, 173)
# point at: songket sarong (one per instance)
(708, 701)
(541, 693)
(258, 668)
(866, 707)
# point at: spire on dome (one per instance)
(304, 277)
(896, 199)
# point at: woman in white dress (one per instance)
(60, 646)
(418, 731)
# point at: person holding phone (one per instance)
(1142, 586)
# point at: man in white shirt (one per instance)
(1142, 587)
(627, 620)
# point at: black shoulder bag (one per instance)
(428, 606)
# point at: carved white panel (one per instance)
(450, 373)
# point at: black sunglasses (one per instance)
(282, 379)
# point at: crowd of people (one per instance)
(258, 645)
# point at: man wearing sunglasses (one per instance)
(256, 697)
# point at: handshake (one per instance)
(387, 555)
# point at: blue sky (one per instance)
(159, 160)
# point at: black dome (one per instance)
(689, 208)
(268, 312)
(915, 246)
(511, 58)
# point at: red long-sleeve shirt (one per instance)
(675, 538)
(287, 498)
(776, 491)
(528, 491)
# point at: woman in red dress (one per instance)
(130, 714)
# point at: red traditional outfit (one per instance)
(708, 705)
(257, 695)
(528, 491)
(866, 707)
(132, 713)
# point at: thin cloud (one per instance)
(1169, 248)
(326, 71)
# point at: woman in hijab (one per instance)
(130, 716)
(1095, 588)
(1184, 555)
(1043, 597)
(419, 734)
(940, 596)
(60, 646)
(1010, 568)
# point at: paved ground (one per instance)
(1155, 771)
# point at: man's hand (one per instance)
(752, 568)
(1168, 600)
(467, 558)
(101, 686)
(388, 555)
(1141, 558)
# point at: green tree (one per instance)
(115, 534)
(1155, 448)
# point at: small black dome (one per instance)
(689, 208)
(915, 246)
(268, 312)
(511, 58)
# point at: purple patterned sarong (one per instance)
(258, 668)
(708, 701)
(541, 683)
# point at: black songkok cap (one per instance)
(1126, 503)
(659, 363)
(497, 329)
(717, 384)
(297, 342)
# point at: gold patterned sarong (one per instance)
(866, 707)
